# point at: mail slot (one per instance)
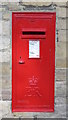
(33, 61)
(33, 33)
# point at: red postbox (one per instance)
(33, 61)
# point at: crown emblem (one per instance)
(33, 81)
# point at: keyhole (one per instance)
(20, 57)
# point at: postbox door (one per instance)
(33, 61)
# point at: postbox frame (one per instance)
(53, 18)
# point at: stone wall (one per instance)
(6, 9)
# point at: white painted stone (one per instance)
(0, 27)
(36, 3)
(60, 74)
(44, 1)
(4, 43)
(6, 56)
(61, 12)
(9, 1)
(2, 9)
(6, 15)
(0, 110)
(12, 6)
(6, 109)
(1, 44)
(6, 28)
(61, 24)
(61, 50)
(0, 56)
(60, 89)
(61, 63)
(60, 4)
(62, 35)
(0, 15)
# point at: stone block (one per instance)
(2, 9)
(1, 44)
(1, 69)
(60, 89)
(6, 56)
(7, 109)
(6, 15)
(61, 12)
(5, 68)
(6, 94)
(66, 62)
(0, 56)
(5, 44)
(0, 88)
(36, 3)
(61, 50)
(0, 28)
(3, 3)
(60, 100)
(61, 63)
(66, 35)
(31, 118)
(0, 15)
(6, 82)
(6, 28)
(0, 110)
(10, 118)
(62, 35)
(60, 74)
(61, 24)
(60, 4)
(13, 6)
(67, 89)
(0, 84)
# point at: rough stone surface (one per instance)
(66, 35)
(61, 63)
(60, 74)
(6, 82)
(2, 9)
(61, 12)
(0, 15)
(13, 6)
(60, 89)
(60, 4)
(62, 35)
(6, 16)
(1, 70)
(6, 94)
(6, 28)
(36, 3)
(5, 68)
(1, 56)
(61, 53)
(5, 43)
(6, 56)
(38, 8)
(0, 28)
(61, 24)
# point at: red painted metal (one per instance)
(33, 78)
